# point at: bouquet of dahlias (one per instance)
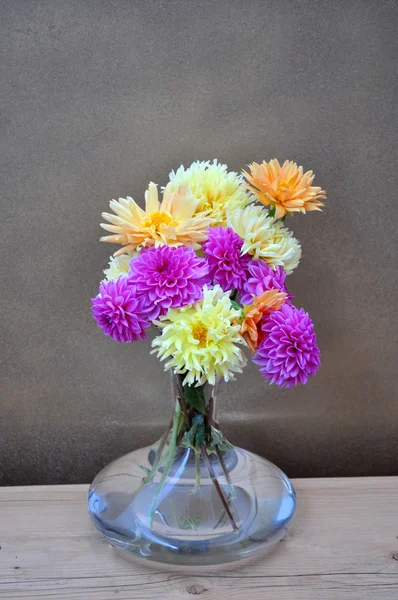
(206, 266)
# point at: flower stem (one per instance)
(197, 471)
(209, 423)
(159, 455)
(205, 456)
(225, 471)
(170, 459)
(162, 443)
(217, 486)
(210, 414)
(184, 411)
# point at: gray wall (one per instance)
(98, 98)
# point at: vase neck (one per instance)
(210, 393)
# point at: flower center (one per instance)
(162, 267)
(199, 332)
(284, 186)
(156, 219)
(211, 199)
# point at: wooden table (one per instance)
(343, 545)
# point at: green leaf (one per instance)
(196, 435)
(235, 305)
(271, 211)
(188, 441)
(219, 440)
(216, 436)
(200, 431)
(283, 218)
(200, 435)
(194, 396)
(185, 443)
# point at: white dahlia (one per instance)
(265, 237)
(216, 190)
(118, 265)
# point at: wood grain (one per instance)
(342, 546)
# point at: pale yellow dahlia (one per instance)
(118, 265)
(215, 189)
(265, 237)
(200, 341)
(169, 223)
(286, 187)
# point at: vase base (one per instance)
(188, 525)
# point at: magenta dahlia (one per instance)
(260, 279)
(227, 264)
(289, 353)
(168, 277)
(119, 312)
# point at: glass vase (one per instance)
(192, 498)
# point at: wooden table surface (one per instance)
(343, 545)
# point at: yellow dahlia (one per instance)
(200, 341)
(286, 187)
(216, 190)
(118, 265)
(169, 223)
(266, 238)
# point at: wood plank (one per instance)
(342, 546)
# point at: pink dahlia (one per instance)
(289, 353)
(227, 264)
(168, 277)
(119, 312)
(260, 279)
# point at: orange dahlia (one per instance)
(285, 187)
(254, 314)
(172, 222)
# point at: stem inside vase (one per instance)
(193, 427)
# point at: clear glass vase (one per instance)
(192, 498)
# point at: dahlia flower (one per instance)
(168, 277)
(265, 237)
(200, 341)
(215, 189)
(168, 223)
(289, 353)
(228, 266)
(119, 312)
(118, 265)
(261, 278)
(285, 187)
(255, 313)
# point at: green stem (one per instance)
(217, 486)
(225, 471)
(159, 459)
(209, 424)
(210, 414)
(205, 456)
(184, 411)
(197, 471)
(159, 452)
(177, 423)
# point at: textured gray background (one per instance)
(99, 97)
